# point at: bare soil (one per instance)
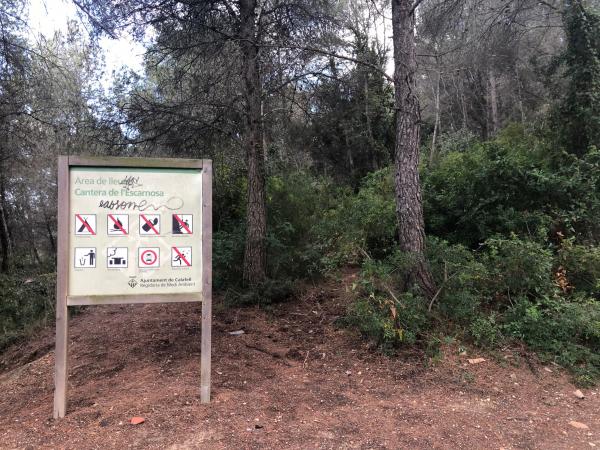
(293, 380)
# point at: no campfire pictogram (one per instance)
(183, 223)
(149, 257)
(149, 224)
(181, 256)
(118, 224)
(85, 224)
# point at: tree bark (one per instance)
(493, 99)
(5, 240)
(255, 259)
(409, 207)
(436, 125)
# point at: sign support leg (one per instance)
(62, 313)
(61, 355)
(205, 358)
(206, 281)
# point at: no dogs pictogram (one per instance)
(85, 224)
(149, 224)
(183, 223)
(181, 256)
(149, 257)
(118, 224)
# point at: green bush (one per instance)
(384, 315)
(582, 265)
(517, 268)
(361, 224)
(511, 186)
(567, 333)
(24, 302)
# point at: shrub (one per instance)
(567, 333)
(582, 266)
(517, 268)
(24, 302)
(361, 224)
(381, 313)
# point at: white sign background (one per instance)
(135, 191)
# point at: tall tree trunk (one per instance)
(255, 258)
(493, 101)
(409, 207)
(5, 240)
(370, 137)
(436, 125)
(51, 239)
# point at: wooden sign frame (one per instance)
(63, 301)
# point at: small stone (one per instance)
(578, 425)
(476, 360)
(137, 420)
(579, 394)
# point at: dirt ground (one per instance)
(292, 380)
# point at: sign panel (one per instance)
(117, 212)
(132, 231)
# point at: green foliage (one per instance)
(24, 302)
(381, 313)
(578, 113)
(511, 185)
(361, 224)
(582, 265)
(565, 332)
(518, 268)
(486, 331)
(297, 201)
(267, 293)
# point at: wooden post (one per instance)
(205, 358)
(62, 270)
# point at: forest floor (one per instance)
(293, 379)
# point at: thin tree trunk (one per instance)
(409, 207)
(349, 153)
(255, 258)
(520, 96)
(5, 241)
(436, 125)
(370, 137)
(493, 99)
(50, 235)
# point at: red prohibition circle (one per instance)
(149, 263)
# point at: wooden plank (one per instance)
(206, 282)
(79, 300)
(159, 163)
(62, 270)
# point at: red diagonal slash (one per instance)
(85, 224)
(182, 224)
(117, 224)
(182, 257)
(149, 223)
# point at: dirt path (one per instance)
(292, 380)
